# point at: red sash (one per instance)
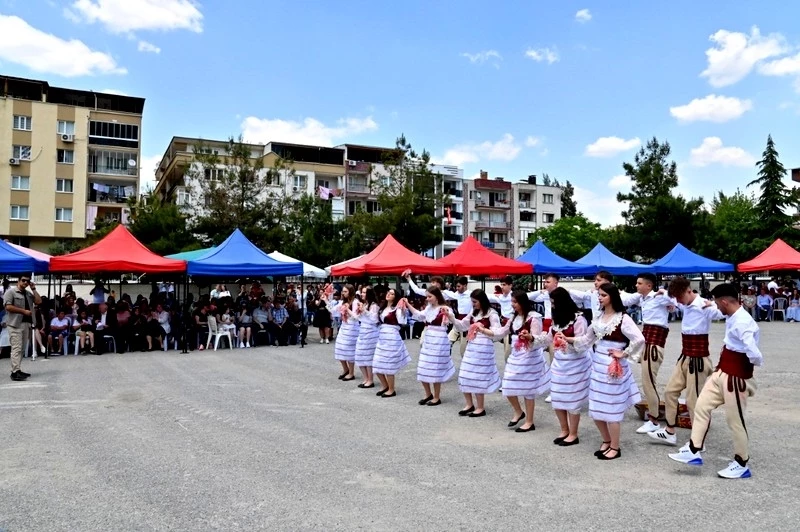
(735, 364)
(655, 335)
(695, 345)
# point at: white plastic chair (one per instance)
(779, 305)
(215, 333)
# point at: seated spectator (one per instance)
(104, 324)
(84, 332)
(262, 315)
(296, 328)
(200, 315)
(280, 317)
(122, 334)
(749, 302)
(764, 306)
(256, 292)
(59, 330)
(225, 320)
(793, 310)
(157, 326)
(245, 323)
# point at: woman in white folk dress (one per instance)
(435, 365)
(368, 317)
(391, 354)
(526, 374)
(344, 349)
(478, 373)
(616, 338)
(571, 369)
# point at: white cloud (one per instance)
(532, 142)
(785, 66)
(145, 46)
(603, 209)
(549, 55)
(619, 181)
(505, 149)
(734, 54)
(610, 146)
(22, 44)
(114, 91)
(147, 172)
(712, 108)
(484, 56)
(583, 16)
(712, 151)
(124, 16)
(309, 131)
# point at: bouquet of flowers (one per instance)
(345, 312)
(402, 304)
(615, 369)
(523, 342)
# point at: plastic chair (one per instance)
(110, 341)
(779, 305)
(215, 333)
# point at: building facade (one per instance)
(452, 179)
(67, 158)
(534, 206)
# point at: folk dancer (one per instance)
(367, 314)
(694, 364)
(526, 373)
(460, 296)
(571, 370)
(612, 389)
(590, 299)
(344, 349)
(730, 385)
(504, 299)
(435, 364)
(391, 354)
(478, 373)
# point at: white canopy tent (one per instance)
(328, 269)
(308, 269)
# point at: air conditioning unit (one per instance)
(13, 162)
(295, 189)
(352, 163)
(68, 138)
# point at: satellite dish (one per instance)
(131, 163)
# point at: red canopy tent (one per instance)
(119, 251)
(472, 258)
(779, 256)
(389, 258)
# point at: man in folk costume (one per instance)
(589, 300)
(694, 365)
(460, 296)
(506, 310)
(655, 315)
(730, 385)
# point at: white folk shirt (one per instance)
(543, 297)
(461, 298)
(504, 300)
(654, 307)
(742, 335)
(697, 317)
(589, 300)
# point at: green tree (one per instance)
(571, 237)
(656, 219)
(162, 227)
(733, 229)
(62, 247)
(776, 198)
(411, 201)
(569, 207)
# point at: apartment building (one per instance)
(452, 179)
(533, 206)
(67, 158)
(488, 202)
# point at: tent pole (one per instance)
(49, 284)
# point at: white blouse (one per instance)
(602, 326)
(400, 313)
(368, 316)
(463, 324)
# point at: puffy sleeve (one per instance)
(463, 324)
(634, 335)
(494, 320)
(449, 295)
(586, 340)
(501, 331)
(416, 314)
(540, 338)
(402, 318)
(713, 312)
(369, 315)
(539, 296)
(414, 288)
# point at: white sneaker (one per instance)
(662, 436)
(327, 341)
(241, 345)
(247, 344)
(734, 470)
(648, 426)
(686, 456)
(322, 341)
(548, 399)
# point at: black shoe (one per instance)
(434, 403)
(515, 421)
(566, 443)
(343, 375)
(466, 411)
(558, 440)
(423, 402)
(26, 375)
(605, 456)
(17, 377)
(347, 379)
(362, 385)
(380, 393)
(393, 394)
(520, 429)
(473, 414)
(600, 452)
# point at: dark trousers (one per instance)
(277, 334)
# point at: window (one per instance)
(354, 206)
(63, 214)
(113, 134)
(65, 127)
(63, 185)
(477, 236)
(214, 174)
(183, 198)
(547, 198)
(66, 156)
(19, 212)
(323, 183)
(22, 122)
(524, 196)
(474, 216)
(273, 178)
(20, 182)
(299, 182)
(22, 153)
(474, 194)
(373, 206)
(112, 162)
(548, 218)
(527, 216)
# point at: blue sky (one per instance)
(514, 88)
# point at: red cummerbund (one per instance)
(655, 335)
(695, 345)
(546, 323)
(735, 363)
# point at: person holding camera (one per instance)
(20, 319)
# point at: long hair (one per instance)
(370, 297)
(385, 302)
(564, 308)
(435, 292)
(613, 294)
(351, 293)
(522, 300)
(482, 299)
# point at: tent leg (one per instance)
(49, 285)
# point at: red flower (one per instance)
(615, 369)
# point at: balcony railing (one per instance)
(527, 205)
(455, 193)
(482, 224)
(112, 170)
(492, 204)
(495, 245)
(452, 238)
(101, 193)
(358, 188)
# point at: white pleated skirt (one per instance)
(391, 354)
(570, 374)
(435, 364)
(345, 346)
(478, 372)
(365, 345)
(526, 373)
(610, 398)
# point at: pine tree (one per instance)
(776, 198)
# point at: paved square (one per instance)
(269, 439)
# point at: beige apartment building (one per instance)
(67, 158)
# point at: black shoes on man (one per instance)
(19, 376)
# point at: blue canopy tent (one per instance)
(600, 258)
(13, 260)
(191, 255)
(545, 261)
(238, 257)
(681, 260)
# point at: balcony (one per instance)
(450, 237)
(495, 245)
(454, 193)
(358, 187)
(527, 205)
(455, 215)
(116, 163)
(500, 226)
(110, 194)
(492, 204)
(358, 167)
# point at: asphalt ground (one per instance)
(269, 439)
